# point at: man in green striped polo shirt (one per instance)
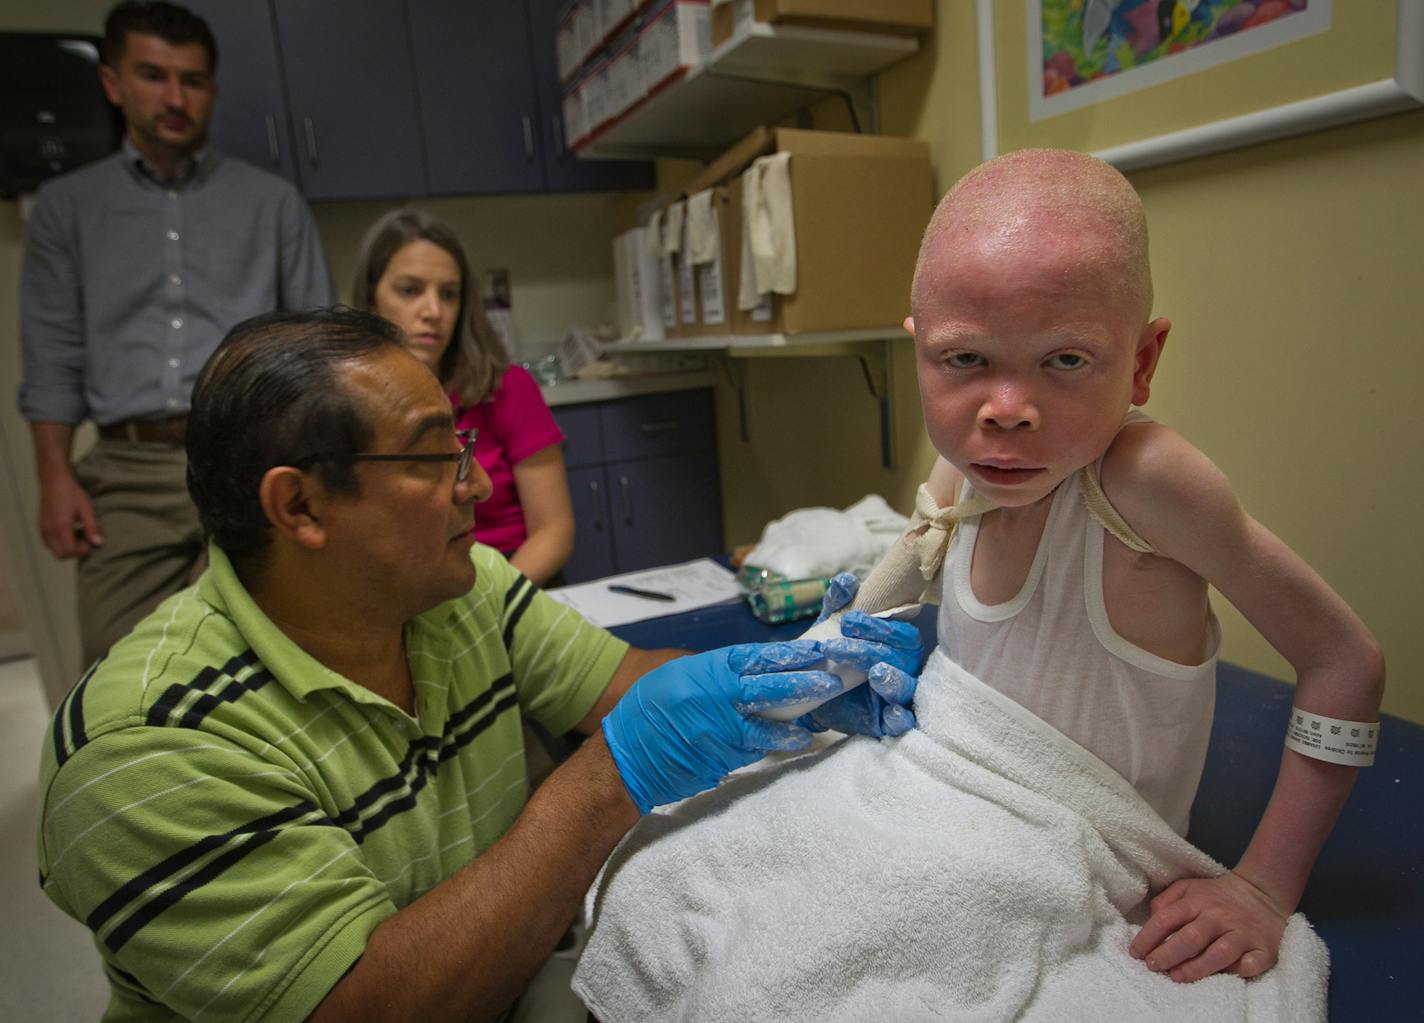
(298, 789)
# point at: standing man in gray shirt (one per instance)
(135, 267)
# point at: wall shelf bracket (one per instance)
(874, 357)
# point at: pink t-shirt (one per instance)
(513, 423)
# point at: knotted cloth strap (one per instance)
(1107, 515)
(907, 572)
(930, 546)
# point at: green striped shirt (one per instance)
(232, 819)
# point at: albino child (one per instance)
(1030, 313)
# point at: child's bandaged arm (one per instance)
(910, 571)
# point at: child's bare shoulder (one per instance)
(1171, 493)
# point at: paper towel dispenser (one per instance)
(53, 114)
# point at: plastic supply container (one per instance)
(776, 600)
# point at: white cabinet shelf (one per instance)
(744, 343)
(870, 346)
(761, 74)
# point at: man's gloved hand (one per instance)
(888, 650)
(684, 726)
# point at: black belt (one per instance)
(171, 430)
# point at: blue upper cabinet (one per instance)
(476, 96)
(352, 95)
(250, 119)
(563, 171)
(399, 98)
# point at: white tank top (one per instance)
(1052, 650)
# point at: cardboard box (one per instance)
(668, 297)
(686, 297)
(666, 281)
(732, 162)
(635, 280)
(757, 320)
(859, 205)
(901, 17)
(716, 291)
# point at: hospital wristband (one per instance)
(1339, 742)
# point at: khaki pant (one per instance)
(153, 543)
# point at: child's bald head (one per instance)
(1035, 197)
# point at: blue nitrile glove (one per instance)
(841, 591)
(683, 726)
(888, 650)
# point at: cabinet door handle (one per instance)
(528, 138)
(660, 427)
(597, 505)
(558, 124)
(272, 147)
(311, 140)
(627, 495)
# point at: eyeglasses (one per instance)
(462, 458)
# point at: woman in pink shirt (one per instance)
(412, 270)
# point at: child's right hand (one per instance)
(1201, 926)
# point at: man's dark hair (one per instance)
(268, 396)
(173, 24)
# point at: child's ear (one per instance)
(1149, 351)
(293, 502)
(909, 325)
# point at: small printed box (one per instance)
(675, 37)
(586, 35)
(575, 119)
(907, 17)
(566, 50)
(613, 13)
(625, 76)
(598, 93)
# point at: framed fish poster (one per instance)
(1143, 82)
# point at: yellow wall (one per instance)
(1292, 273)
(558, 251)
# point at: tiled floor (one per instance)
(48, 967)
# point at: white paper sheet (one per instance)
(693, 584)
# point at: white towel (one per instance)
(747, 295)
(703, 236)
(672, 233)
(982, 867)
(773, 227)
(654, 238)
(810, 542)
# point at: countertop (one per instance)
(573, 392)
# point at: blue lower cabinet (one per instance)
(593, 528)
(643, 478)
(665, 510)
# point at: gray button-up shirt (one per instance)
(129, 282)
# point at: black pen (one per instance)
(633, 591)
